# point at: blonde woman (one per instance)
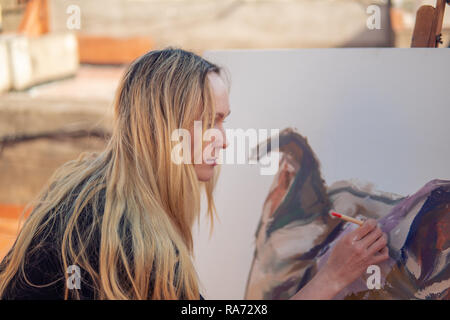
(123, 217)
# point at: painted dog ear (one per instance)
(298, 192)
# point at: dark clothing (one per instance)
(43, 264)
(41, 267)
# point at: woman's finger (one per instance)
(381, 256)
(379, 244)
(371, 238)
(366, 228)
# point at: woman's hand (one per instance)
(349, 259)
(355, 252)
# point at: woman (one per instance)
(123, 217)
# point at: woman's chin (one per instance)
(205, 173)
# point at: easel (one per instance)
(428, 26)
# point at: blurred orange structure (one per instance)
(9, 226)
(111, 50)
(35, 20)
(92, 49)
(397, 22)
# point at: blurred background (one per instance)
(61, 60)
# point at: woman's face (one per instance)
(211, 149)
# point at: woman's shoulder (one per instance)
(40, 277)
(44, 276)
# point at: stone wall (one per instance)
(207, 24)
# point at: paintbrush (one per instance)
(347, 218)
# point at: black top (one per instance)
(43, 267)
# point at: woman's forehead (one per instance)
(220, 92)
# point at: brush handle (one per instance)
(347, 218)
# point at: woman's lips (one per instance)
(211, 162)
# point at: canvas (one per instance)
(296, 232)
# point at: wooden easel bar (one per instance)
(428, 26)
(422, 34)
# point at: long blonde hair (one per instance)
(150, 203)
